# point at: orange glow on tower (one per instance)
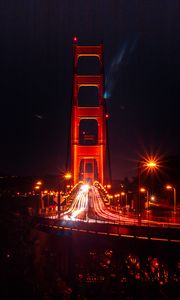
(88, 157)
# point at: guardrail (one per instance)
(162, 234)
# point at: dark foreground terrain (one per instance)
(43, 265)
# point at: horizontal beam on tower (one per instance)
(88, 50)
(88, 80)
(86, 151)
(89, 112)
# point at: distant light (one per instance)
(142, 190)
(68, 175)
(39, 182)
(169, 187)
(122, 193)
(75, 39)
(37, 187)
(151, 164)
(107, 116)
(108, 186)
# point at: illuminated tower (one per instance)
(88, 122)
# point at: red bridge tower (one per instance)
(88, 146)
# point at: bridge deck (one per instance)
(163, 234)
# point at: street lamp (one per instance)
(68, 176)
(108, 186)
(149, 164)
(37, 187)
(170, 187)
(39, 183)
(144, 190)
(123, 203)
(116, 196)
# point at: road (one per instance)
(88, 205)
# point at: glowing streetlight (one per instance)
(153, 198)
(116, 196)
(151, 164)
(68, 176)
(39, 183)
(144, 190)
(170, 187)
(125, 198)
(108, 186)
(38, 187)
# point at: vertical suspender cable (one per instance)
(68, 147)
(107, 129)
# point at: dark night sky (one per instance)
(142, 67)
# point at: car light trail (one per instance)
(89, 204)
(79, 205)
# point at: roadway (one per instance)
(88, 213)
(89, 205)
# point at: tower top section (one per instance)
(80, 51)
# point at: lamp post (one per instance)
(46, 194)
(139, 194)
(144, 190)
(170, 187)
(59, 201)
(37, 187)
(67, 177)
(123, 201)
(116, 203)
(149, 165)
